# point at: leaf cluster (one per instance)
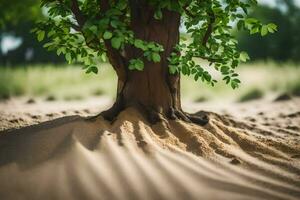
(210, 36)
(87, 31)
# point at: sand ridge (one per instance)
(76, 158)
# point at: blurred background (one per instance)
(29, 71)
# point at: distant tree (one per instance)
(282, 46)
(140, 38)
(15, 11)
(17, 18)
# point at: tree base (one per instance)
(153, 117)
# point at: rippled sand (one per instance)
(77, 158)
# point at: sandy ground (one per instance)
(247, 151)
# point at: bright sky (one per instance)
(273, 2)
(269, 2)
(9, 43)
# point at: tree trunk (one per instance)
(153, 90)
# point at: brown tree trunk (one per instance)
(153, 90)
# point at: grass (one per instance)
(59, 82)
(71, 83)
(268, 78)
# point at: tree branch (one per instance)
(208, 58)
(212, 19)
(80, 18)
(117, 61)
(75, 26)
(188, 13)
(104, 5)
(114, 56)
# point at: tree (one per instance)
(17, 18)
(14, 11)
(29, 44)
(13, 14)
(141, 40)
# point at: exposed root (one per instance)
(221, 136)
(182, 116)
(150, 114)
(153, 116)
(111, 113)
(199, 118)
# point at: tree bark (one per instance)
(154, 90)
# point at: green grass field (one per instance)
(71, 83)
(58, 82)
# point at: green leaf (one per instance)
(107, 35)
(94, 29)
(224, 69)
(244, 56)
(158, 14)
(87, 61)
(41, 35)
(52, 32)
(240, 24)
(254, 30)
(122, 4)
(196, 77)
(136, 64)
(264, 30)
(272, 27)
(172, 69)
(151, 45)
(236, 80)
(251, 20)
(68, 57)
(138, 44)
(93, 69)
(207, 76)
(47, 44)
(227, 79)
(116, 42)
(60, 50)
(114, 23)
(155, 57)
(103, 57)
(234, 84)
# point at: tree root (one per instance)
(154, 116)
(201, 120)
(111, 113)
(174, 114)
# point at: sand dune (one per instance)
(76, 158)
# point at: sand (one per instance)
(247, 151)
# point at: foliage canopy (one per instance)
(81, 30)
